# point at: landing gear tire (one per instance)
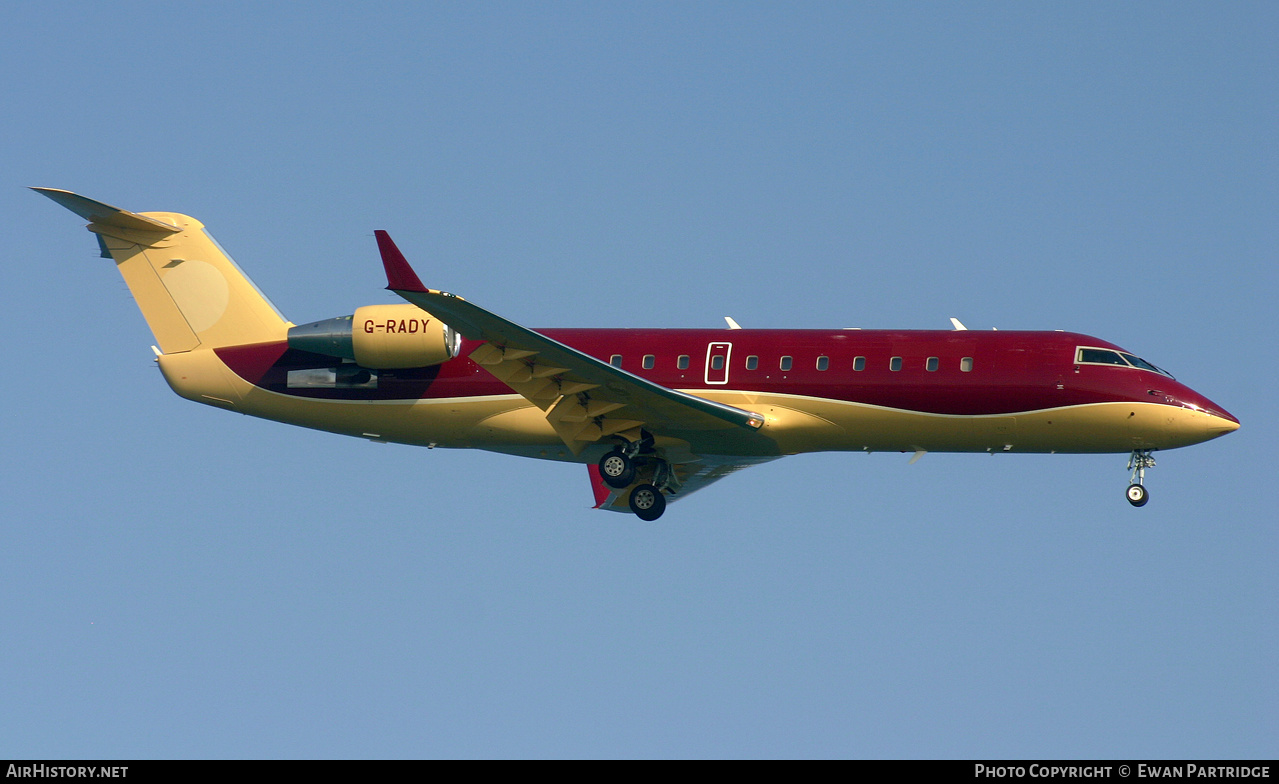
(1138, 462)
(617, 470)
(647, 502)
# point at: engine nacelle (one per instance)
(401, 336)
(381, 337)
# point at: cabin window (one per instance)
(717, 362)
(785, 363)
(859, 363)
(823, 363)
(615, 360)
(895, 363)
(682, 362)
(752, 362)
(966, 364)
(933, 363)
(649, 360)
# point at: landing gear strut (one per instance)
(1138, 463)
(622, 465)
(648, 501)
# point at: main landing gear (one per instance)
(617, 469)
(622, 465)
(647, 502)
(1138, 463)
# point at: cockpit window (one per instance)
(1144, 365)
(1100, 356)
(1105, 356)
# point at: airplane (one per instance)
(655, 414)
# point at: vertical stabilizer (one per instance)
(189, 290)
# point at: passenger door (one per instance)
(717, 362)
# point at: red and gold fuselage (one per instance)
(819, 390)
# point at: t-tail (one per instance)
(191, 293)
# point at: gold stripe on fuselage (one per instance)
(794, 423)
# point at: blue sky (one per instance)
(176, 581)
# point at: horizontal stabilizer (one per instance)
(105, 214)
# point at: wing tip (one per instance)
(399, 274)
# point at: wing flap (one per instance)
(586, 399)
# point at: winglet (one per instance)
(399, 275)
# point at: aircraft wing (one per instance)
(585, 399)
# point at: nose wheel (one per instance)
(1138, 463)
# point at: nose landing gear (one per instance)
(1138, 462)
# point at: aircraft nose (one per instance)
(1225, 420)
(1190, 423)
(1223, 423)
(1219, 421)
